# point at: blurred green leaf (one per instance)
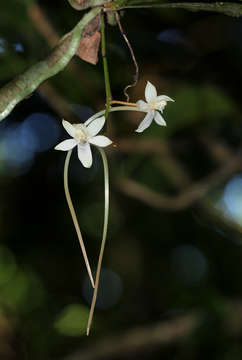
(7, 266)
(72, 320)
(194, 104)
(23, 293)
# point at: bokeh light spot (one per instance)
(18, 47)
(171, 36)
(110, 289)
(39, 132)
(15, 157)
(188, 263)
(232, 199)
(2, 46)
(82, 111)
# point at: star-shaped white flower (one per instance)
(154, 105)
(84, 135)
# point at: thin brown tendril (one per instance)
(136, 76)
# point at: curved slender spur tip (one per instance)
(154, 106)
(83, 135)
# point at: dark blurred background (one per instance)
(171, 282)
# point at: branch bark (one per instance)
(23, 85)
(139, 339)
(191, 193)
(175, 330)
(227, 8)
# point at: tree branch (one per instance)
(139, 339)
(174, 330)
(23, 85)
(227, 8)
(190, 194)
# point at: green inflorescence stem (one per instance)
(105, 67)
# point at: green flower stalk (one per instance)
(104, 237)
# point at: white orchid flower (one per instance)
(84, 135)
(154, 106)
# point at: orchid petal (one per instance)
(142, 105)
(150, 92)
(95, 126)
(100, 140)
(160, 107)
(146, 122)
(164, 98)
(159, 119)
(85, 154)
(69, 128)
(66, 145)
